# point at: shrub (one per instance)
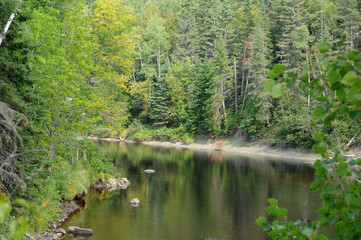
(338, 178)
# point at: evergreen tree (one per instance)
(348, 19)
(221, 87)
(159, 103)
(291, 15)
(200, 110)
(259, 64)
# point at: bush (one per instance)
(141, 132)
(294, 131)
(338, 178)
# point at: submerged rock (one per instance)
(149, 171)
(80, 231)
(134, 201)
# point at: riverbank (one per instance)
(259, 151)
(225, 146)
(77, 204)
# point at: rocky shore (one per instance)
(73, 206)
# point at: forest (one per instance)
(166, 70)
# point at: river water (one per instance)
(195, 195)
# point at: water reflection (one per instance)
(195, 195)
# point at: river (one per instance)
(195, 195)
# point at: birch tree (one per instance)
(10, 21)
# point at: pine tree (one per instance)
(349, 22)
(259, 64)
(200, 121)
(221, 86)
(291, 15)
(159, 103)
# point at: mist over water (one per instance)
(195, 195)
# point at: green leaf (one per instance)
(5, 209)
(307, 232)
(352, 55)
(279, 68)
(329, 119)
(323, 47)
(319, 112)
(269, 84)
(353, 200)
(322, 99)
(273, 202)
(261, 221)
(271, 74)
(333, 76)
(322, 211)
(281, 212)
(349, 79)
(277, 91)
(318, 136)
(343, 109)
(19, 227)
(272, 210)
(292, 80)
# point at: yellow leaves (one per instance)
(111, 24)
(115, 82)
(112, 15)
(115, 115)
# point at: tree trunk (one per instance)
(223, 103)
(245, 92)
(243, 68)
(235, 85)
(309, 80)
(2, 36)
(158, 61)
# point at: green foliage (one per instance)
(338, 178)
(294, 131)
(159, 104)
(252, 122)
(141, 132)
(16, 227)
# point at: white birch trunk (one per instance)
(2, 36)
(235, 85)
(7, 26)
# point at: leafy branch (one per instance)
(337, 92)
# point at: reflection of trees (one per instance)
(208, 192)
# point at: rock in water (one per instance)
(80, 231)
(60, 230)
(149, 171)
(134, 201)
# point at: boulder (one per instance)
(134, 201)
(111, 184)
(80, 231)
(60, 231)
(68, 207)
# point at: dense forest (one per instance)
(200, 68)
(166, 69)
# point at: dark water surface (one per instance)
(195, 195)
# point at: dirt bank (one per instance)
(245, 151)
(254, 150)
